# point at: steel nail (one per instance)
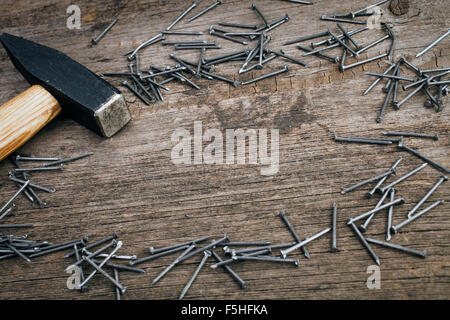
(424, 158)
(68, 159)
(183, 33)
(261, 50)
(254, 249)
(97, 39)
(200, 63)
(17, 252)
(394, 229)
(82, 275)
(343, 57)
(393, 77)
(299, 1)
(390, 214)
(427, 195)
(21, 158)
(217, 3)
(320, 54)
(294, 233)
(398, 104)
(386, 101)
(116, 277)
(364, 226)
(244, 243)
(131, 54)
(365, 244)
(7, 211)
(236, 25)
(207, 254)
(285, 69)
(343, 68)
(6, 205)
(393, 40)
(220, 35)
(282, 54)
(218, 77)
(121, 267)
(400, 200)
(254, 7)
(325, 18)
(158, 255)
(433, 43)
(12, 226)
(378, 3)
(173, 264)
(32, 185)
(193, 5)
(372, 44)
(191, 242)
(56, 248)
(373, 179)
(313, 36)
(41, 204)
(95, 244)
(200, 250)
(268, 259)
(277, 23)
(411, 134)
(382, 180)
(44, 168)
(422, 254)
(333, 232)
(285, 252)
(394, 95)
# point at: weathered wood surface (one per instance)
(130, 185)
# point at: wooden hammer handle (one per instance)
(23, 116)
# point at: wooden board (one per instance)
(130, 186)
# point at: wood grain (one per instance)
(131, 186)
(23, 116)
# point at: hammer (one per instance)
(58, 84)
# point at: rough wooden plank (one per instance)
(131, 186)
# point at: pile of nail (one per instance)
(22, 247)
(98, 260)
(430, 81)
(238, 251)
(144, 84)
(345, 39)
(21, 177)
(397, 137)
(385, 190)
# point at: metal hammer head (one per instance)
(83, 96)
